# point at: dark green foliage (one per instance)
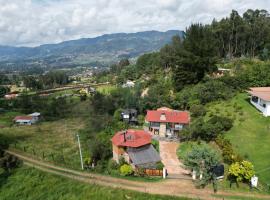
(257, 75)
(159, 165)
(194, 57)
(197, 110)
(228, 153)
(203, 93)
(202, 158)
(245, 35)
(210, 129)
(3, 91)
(9, 162)
(49, 80)
(148, 63)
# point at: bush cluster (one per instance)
(228, 153)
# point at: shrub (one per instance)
(241, 171)
(155, 144)
(159, 165)
(202, 158)
(228, 154)
(126, 170)
(113, 165)
(197, 110)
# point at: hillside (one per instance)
(100, 50)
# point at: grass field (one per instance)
(51, 141)
(105, 89)
(250, 134)
(7, 117)
(31, 184)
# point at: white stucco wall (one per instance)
(265, 110)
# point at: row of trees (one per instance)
(49, 80)
(247, 35)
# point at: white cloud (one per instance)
(29, 23)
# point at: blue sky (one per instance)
(35, 22)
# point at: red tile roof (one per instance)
(134, 138)
(170, 116)
(261, 92)
(23, 118)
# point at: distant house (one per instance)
(260, 98)
(130, 116)
(128, 84)
(88, 90)
(136, 148)
(11, 95)
(36, 116)
(28, 119)
(221, 72)
(166, 122)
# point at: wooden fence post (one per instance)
(34, 152)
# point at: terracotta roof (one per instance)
(171, 116)
(134, 138)
(23, 118)
(261, 92)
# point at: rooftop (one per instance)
(261, 92)
(23, 118)
(131, 138)
(168, 115)
(144, 156)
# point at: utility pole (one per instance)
(80, 150)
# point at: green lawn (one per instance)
(31, 184)
(250, 134)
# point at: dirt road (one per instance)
(175, 187)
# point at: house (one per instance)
(260, 98)
(11, 95)
(128, 84)
(136, 148)
(88, 90)
(23, 120)
(28, 119)
(221, 72)
(166, 122)
(35, 116)
(129, 116)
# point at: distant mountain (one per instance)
(101, 50)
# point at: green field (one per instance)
(250, 134)
(7, 117)
(31, 184)
(105, 89)
(51, 141)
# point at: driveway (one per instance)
(169, 158)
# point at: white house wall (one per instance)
(265, 110)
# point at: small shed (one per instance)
(130, 116)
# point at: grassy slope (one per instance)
(7, 117)
(57, 137)
(28, 183)
(250, 134)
